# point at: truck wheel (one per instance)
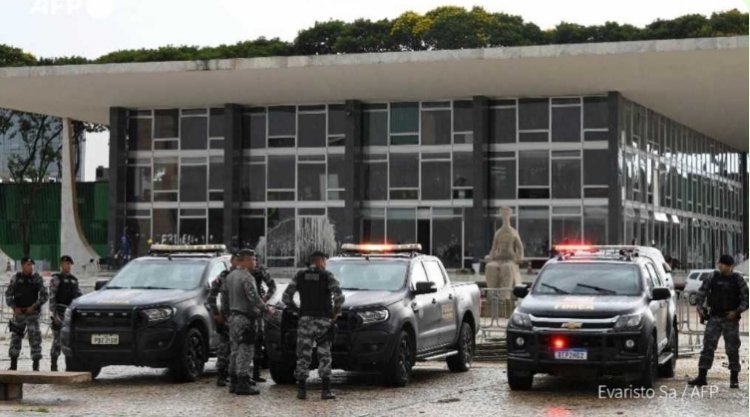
(189, 365)
(282, 373)
(72, 365)
(693, 298)
(398, 369)
(461, 362)
(667, 370)
(650, 366)
(519, 382)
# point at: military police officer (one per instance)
(223, 348)
(320, 302)
(262, 277)
(243, 306)
(63, 289)
(25, 294)
(725, 295)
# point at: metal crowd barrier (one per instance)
(44, 317)
(690, 328)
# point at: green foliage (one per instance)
(14, 57)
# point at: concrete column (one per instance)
(233, 165)
(72, 240)
(614, 212)
(118, 157)
(478, 225)
(354, 171)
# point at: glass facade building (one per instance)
(593, 168)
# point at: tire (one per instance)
(398, 369)
(667, 370)
(693, 298)
(73, 365)
(519, 382)
(282, 373)
(651, 366)
(461, 362)
(193, 356)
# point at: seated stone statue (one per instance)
(502, 261)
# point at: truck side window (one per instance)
(417, 273)
(704, 276)
(654, 275)
(649, 279)
(694, 275)
(435, 273)
(216, 269)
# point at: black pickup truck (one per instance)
(400, 308)
(152, 313)
(594, 314)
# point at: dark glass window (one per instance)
(216, 225)
(254, 131)
(281, 121)
(166, 174)
(311, 185)
(595, 112)
(595, 229)
(596, 166)
(446, 241)
(139, 135)
(165, 225)
(193, 185)
(251, 230)
(436, 127)
(375, 128)
(216, 173)
(596, 135)
(336, 119)
(281, 171)
(312, 130)
(566, 230)
(139, 231)
(404, 170)
(373, 226)
(139, 184)
(533, 168)
(463, 119)
(436, 180)
(402, 225)
(253, 182)
(503, 125)
(404, 117)
(166, 123)
(281, 232)
(193, 230)
(463, 169)
(216, 123)
(566, 124)
(533, 225)
(533, 114)
(194, 133)
(502, 179)
(566, 178)
(376, 176)
(337, 217)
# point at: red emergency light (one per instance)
(558, 342)
(381, 247)
(575, 248)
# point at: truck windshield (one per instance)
(589, 279)
(183, 274)
(369, 275)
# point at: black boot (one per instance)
(35, 365)
(221, 379)
(244, 387)
(53, 365)
(13, 364)
(301, 389)
(734, 379)
(256, 374)
(232, 384)
(700, 380)
(325, 392)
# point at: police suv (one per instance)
(400, 307)
(152, 313)
(594, 311)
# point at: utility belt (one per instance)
(244, 314)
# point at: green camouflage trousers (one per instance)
(310, 331)
(222, 349)
(715, 328)
(242, 341)
(54, 351)
(20, 323)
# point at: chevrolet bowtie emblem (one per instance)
(572, 325)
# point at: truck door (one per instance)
(426, 311)
(214, 271)
(446, 301)
(658, 308)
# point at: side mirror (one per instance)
(660, 293)
(520, 291)
(100, 283)
(667, 268)
(424, 288)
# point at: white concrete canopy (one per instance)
(702, 83)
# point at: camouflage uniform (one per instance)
(63, 289)
(262, 276)
(722, 294)
(242, 304)
(223, 347)
(316, 321)
(26, 291)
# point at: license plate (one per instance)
(572, 354)
(105, 339)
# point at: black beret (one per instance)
(27, 259)
(318, 254)
(726, 260)
(66, 258)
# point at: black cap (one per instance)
(245, 252)
(66, 258)
(726, 260)
(318, 254)
(27, 259)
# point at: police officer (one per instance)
(63, 289)
(25, 294)
(223, 348)
(725, 295)
(243, 306)
(320, 302)
(262, 277)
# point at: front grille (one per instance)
(547, 324)
(103, 319)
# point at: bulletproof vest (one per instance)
(259, 282)
(66, 288)
(25, 291)
(314, 295)
(235, 285)
(725, 293)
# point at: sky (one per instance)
(91, 28)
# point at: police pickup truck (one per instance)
(152, 313)
(592, 312)
(400, 308)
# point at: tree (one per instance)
(364, 35)
(14, 57)
(452, 27)
(319, 39)
(407, 31)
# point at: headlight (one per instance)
(158, 314)
(373, 316)
(68, 314)
(520, 320)
(629, 321)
